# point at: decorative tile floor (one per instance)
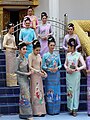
(62, 116)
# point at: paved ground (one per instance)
(62, 116)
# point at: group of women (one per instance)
(37, 61)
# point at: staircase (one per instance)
(9, 96)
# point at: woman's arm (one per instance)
(59, 63)
(82, 62)
(64, 44)
(30, 64)
(17, 71)
(44, 66)
(5, 43)
(78, 42)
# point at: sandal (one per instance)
(74, 113)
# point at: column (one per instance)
(1, 25)
(54, 15)
(54, 9)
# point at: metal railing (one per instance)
(58, 28)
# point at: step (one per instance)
(9, 90)
(11, 108)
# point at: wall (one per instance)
(43, 6)
(76, 9)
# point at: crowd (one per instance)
(36, 61)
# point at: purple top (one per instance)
(44, 30)
(67, 37)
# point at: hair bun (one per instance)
(51, 39)
(71, 25)
(43, 14)
(21, 44)
(26, 19)
(9, 25)
(36, 44)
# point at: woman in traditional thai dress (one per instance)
(51, 63)
(10, 46)
(27, 35)
(37, 94)
(44, 31)
(33, 18)
(23, 81)
(69, 35)
(73, 76)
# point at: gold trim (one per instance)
(82, 26)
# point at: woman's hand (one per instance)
(50, 69)
(55, 69)
(14, 48)
(70, 71)
(45, 74)
(29, 73)
(77, 69)
(28, 43)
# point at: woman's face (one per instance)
(23, 50)
(36, 51)
(30, 12)
(44, 19)
(11, 30)
(70, 30)
(27, 24)
(70, 49)
(51, 46)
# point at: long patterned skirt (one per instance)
(73, 90)
(11, 78)
(37, 95)
(52, 91)
(24, 102)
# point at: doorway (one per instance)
(14, 18)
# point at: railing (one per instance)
(58, 28)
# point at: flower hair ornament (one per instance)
(72, 43)
(35, 42)
(50, 39)
(11, 24)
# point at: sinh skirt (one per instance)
(52, 93)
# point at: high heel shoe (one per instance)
(30, 118)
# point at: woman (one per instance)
(33, 18)
(27, 35)
(51, 64)
(10, 46)
(73, 76)
(71, 35)
(44, 31)
(23, 81)
(37, 94)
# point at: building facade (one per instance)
(14, 10)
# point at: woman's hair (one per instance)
(44, 14)
(51, 39)
(72, 42)
(29, 7)
(71, 25)
(36, 44)
(27, 19)
(9, 25)
(21, 45)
